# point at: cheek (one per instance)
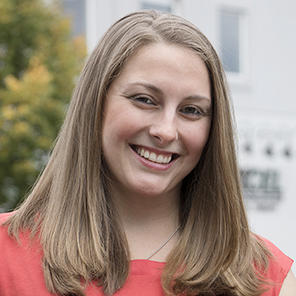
(119, 125)
(196, 140)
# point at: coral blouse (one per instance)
(21, 270)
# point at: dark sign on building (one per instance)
(261, 188)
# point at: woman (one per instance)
(142, 195)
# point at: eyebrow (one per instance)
(157, 90)
(146, 85)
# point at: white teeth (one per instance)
(142, 152)
(159, 159)
(153, 157)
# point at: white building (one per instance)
(257, 43)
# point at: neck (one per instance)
(145, 210)
(148, 221)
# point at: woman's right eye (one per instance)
(143, 100)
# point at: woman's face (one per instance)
(157, 117)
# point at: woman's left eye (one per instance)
(191, 110)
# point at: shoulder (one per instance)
(278, 268)
(12, 246)
(5, 216)
(279, 263)
(4, 237)
(14, 250)
(20, 263)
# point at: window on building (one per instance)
(233, 39)
(165, 7)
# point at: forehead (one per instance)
(162, 63)
(177, 57)
(175, 49)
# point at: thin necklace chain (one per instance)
(163, 243)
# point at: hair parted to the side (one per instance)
(69, 206)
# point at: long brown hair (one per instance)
(69, 206)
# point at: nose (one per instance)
(164, 129)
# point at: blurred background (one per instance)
(43, 45)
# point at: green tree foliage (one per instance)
(38, 65)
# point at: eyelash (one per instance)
(196, 111)
(142, 99)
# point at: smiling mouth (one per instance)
(154, 157)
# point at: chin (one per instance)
(148, 191)
(152, 189)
